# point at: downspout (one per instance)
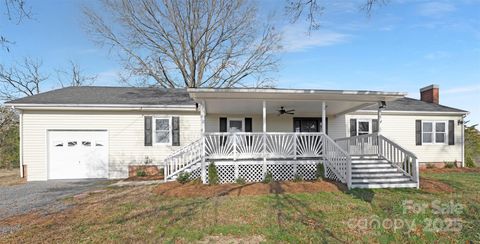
(20, 132)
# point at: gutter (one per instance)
(119, 107)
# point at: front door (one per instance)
(307, 124)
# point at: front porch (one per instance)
(288, 133)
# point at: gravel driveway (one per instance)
(42, 196)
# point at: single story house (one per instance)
(363, 138)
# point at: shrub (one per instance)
(469, 162)
(430, 166)
(268, 178)
(240, 181)
(212, 174)
(320, 173)
(183, 177)
(9, 148)
(141, 173)
(297, 178)
(449, 165)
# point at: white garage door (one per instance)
(77, 154)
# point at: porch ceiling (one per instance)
(249, 101)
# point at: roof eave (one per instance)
(30, 106)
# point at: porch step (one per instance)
(377, 174)
(370, 170)
(368, 161)
(380, 179)
(404, 184)
(371, 165)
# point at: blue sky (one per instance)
(403, 46)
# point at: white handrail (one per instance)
(375, 144)
(183, 158)
(400, 157)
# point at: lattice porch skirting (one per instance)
(254, 171)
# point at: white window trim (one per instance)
(154, 128)
(434, 133)
(235, 119)
(369, 125)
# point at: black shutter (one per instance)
(223, 124)
(451, 132)
(248, 125)
(353, 127)
(148, 130)
(374, 125)
(418, 132)
(175, 131)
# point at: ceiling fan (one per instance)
(283, 111)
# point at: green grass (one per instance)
(137, 214)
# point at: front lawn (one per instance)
(133, 214)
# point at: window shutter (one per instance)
(418, 132)
(148, 131)
(248, 125)
(451, 132)
(353, 127)
(223, 124)
(175, 131)
(374, 125)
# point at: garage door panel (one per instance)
(77, 154)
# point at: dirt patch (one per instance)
(232, 239)
(193, 189)
(434, 186)
(451, 170)
(145, 178)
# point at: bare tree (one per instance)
(313, 9)
(187, 43)
(21, 80)
(75, 76)
(15, 10)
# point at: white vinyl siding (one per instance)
(401, 129)
(125, 131)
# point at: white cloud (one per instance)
(108, 78)
(437, 55)
(463, 89)
(435, 9)
(296, 38)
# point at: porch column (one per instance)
(324, 120)
(203, 112)
(379, 117)
(264, 113)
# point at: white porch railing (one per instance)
(374, 144)
(403, 159)
(182, 159)
(360, 145)
(271, 145)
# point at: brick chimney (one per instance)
(430, 94)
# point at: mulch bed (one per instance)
(145, 178)
(195, 189)
(451, 170)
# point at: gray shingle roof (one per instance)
(110, 95)
(411, 104)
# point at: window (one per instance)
(363, 127)
(162, 134)
(235, 125)
(434, 132)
